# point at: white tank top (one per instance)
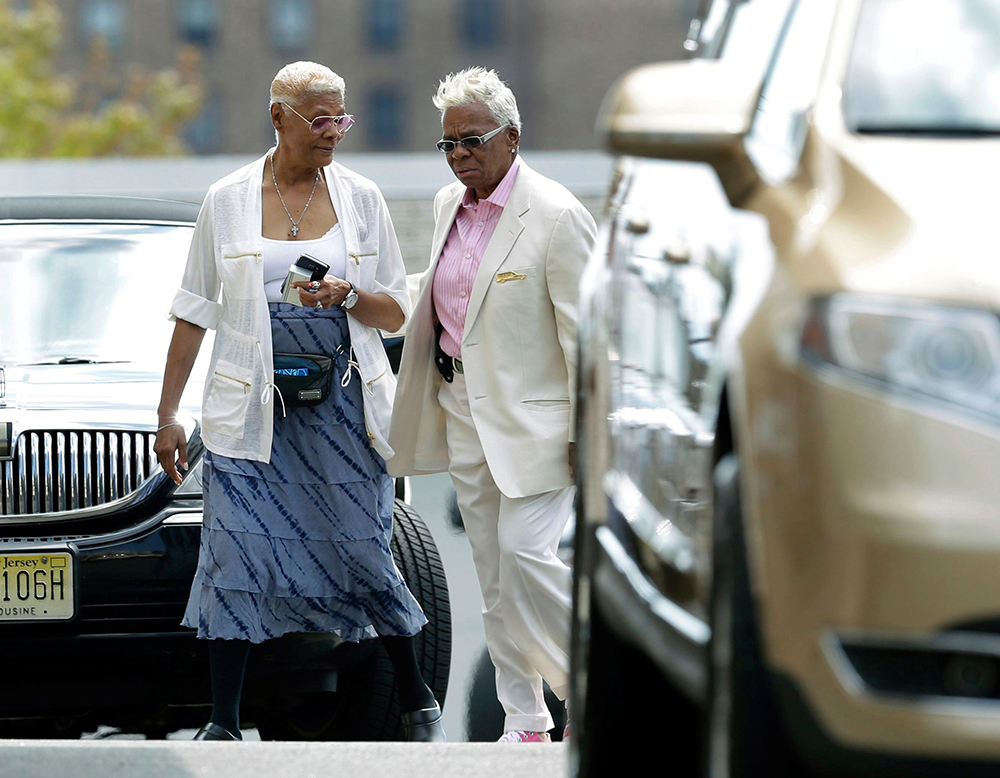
(279, 255)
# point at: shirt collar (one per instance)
(501, 194)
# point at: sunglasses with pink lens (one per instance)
(321, 124)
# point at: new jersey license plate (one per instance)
(36, 586)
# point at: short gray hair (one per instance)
(478, 86)
(299, 81)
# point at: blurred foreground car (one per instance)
(789, 425)
(97, 546)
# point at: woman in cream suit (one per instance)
(486, 387)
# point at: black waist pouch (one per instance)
(303, 379)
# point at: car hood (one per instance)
(923, 215)
(120, 386)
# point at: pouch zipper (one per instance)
(246, 385)
(357, 257)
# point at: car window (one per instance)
(925, 66)
(88, 291)
(778, 132)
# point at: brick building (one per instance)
(559, 57)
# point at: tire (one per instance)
(622, 695)
(41, 729)
(365, 707)
(452, 511)
(484, 714)
(744, 737)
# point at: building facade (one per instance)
(559, 56)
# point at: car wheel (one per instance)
(744, 735)
(625, 715)
(365, 706)
(453, 512)
(41, 729)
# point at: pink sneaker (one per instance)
(522, 736)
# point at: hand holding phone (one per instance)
(317, 269)
(306, 268)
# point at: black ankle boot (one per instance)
(424, 726)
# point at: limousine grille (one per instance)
(68, 470)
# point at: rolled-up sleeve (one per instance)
(197, 300)
(390, 274)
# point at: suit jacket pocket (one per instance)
(559, 404)
(512, 277)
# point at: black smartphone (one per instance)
(314, 266)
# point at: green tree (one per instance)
(44, 113)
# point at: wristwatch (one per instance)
(350, 300)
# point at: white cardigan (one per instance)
(226, 255)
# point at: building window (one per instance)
(103, 19)
(203, 135)
(198, 21)
(385, 118)
(292, 25)
(482, 22)
(385, 24)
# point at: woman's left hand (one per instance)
(323, 294)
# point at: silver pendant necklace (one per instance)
(295, 224)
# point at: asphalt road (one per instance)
(181, 759)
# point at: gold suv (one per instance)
(789, 426)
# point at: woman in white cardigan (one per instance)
(298, 506)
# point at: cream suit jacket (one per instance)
(518, 345)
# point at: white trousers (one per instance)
(526, 587)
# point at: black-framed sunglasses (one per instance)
(321, 124)
(472, 142)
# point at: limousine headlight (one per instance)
(942, 354)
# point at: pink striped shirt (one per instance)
(456, 269)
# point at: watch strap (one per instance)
(350, 299)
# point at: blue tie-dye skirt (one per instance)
(301, 544)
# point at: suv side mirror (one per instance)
(698, 111)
